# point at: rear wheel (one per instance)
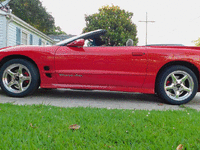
(177, 85)
(19, 77)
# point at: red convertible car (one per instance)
(82, 62)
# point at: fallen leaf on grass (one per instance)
(180, 147)
(74, 127)
(32, 125)
(107, 146)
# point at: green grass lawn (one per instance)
(47, 127)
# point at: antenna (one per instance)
(4, 3)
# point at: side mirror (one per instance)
(77, 43)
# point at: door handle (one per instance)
(138, 53)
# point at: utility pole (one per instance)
(146, 25)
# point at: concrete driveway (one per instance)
(100, 99)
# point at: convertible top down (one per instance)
(83, 62)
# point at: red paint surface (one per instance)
(128, 69)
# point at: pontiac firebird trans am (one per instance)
(82, 62)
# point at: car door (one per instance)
(101, 66)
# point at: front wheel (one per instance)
(177, 85)
(19, 77)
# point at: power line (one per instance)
(146, 25)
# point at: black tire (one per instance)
(177, 85)
(19, 78)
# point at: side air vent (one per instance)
(46, 68)
(48, 75)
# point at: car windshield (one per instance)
(88, 35)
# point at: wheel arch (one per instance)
(173, 63)
(10, 57)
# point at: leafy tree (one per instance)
(116, 21)
(57, 31)
(197, 42)
(32, 12)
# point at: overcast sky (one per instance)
(176, 21)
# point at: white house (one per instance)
(15, 31)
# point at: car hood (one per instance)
(5, 48)
(29, 48)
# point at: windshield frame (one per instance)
(87, 35)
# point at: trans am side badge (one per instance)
(70, 75)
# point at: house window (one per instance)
(24, 38)
(18, 36)
(40, 41)
(31, 39)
